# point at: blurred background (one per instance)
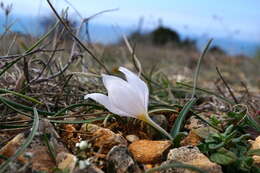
(233, 24)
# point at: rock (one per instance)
(10, 148)
(192, 139)
(132, 138)
(194, 123)
(147, 151)
(191, 156)
(204, 132)
(41, 159)
(66, 161)
(105, 138)
(256, 145)
(119, 160)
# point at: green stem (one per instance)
(148, 120)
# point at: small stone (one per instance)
(255, 146)
(192, 156)
(194, 123)
(119, 160)
(132, 138)
(204, 132)
(66, 161)
(192, 139)
(147, 151)
(105, 138)
(10, 148)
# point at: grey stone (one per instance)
(120, 160)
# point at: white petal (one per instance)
(138, 84)
(103, 99)
(123, 96)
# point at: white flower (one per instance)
(126, 97)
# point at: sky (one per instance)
(234, 19)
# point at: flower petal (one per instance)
(103, 99)
(139, 85)
(123, 96)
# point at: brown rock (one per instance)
(147, 151)
(66, 161)
(10, 148)
(192, 139)
(119, 160)
(256, 145)
(41, 160)
(105, 138)
(191, 156)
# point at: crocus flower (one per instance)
(126, 97)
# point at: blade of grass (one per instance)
(75, 106)
(9, 65)
(182, 116)
(50, 147)
(176, 165)
(22, 148)
(23, 107)
(206, 91)
(20, 95)
(13, 108)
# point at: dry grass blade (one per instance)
(22, 148)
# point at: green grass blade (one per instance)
(7, 66)
(60, 112)
(20, 95)
(13, 108)
(176, 165)
(181, 117)
(198, 67)
(26, 108)
(22, 148)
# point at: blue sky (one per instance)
(234, 19)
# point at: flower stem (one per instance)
(148, 120)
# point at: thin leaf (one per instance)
(207, 92)
(9, 65)
(198, 67)
(181, 117)
(20, 95)
(22, 148)
(23, 107)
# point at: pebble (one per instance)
(66, 161)
(119, 160)
(192, 156)
(255, 146)
(132, 138)
(148, 151)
